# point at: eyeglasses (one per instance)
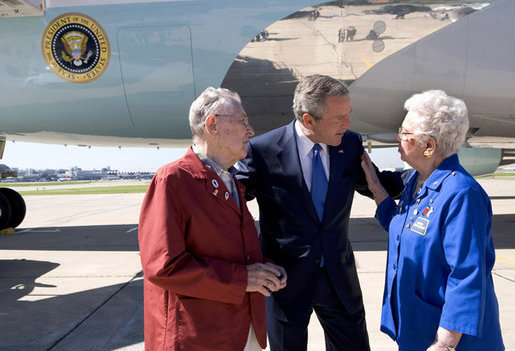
(404, 135)
(244, 120)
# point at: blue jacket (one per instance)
(440, 258)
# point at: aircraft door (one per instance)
(157, 74)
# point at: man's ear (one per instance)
(308, 121)
(210, 125)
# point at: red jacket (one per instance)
(195, 245)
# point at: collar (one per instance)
(305, 144)
(445, 168)
(210, 163)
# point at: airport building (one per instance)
(75, 173)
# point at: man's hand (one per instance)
(265, 278)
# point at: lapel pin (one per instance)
(215, 183)
(215, 192)
(340, 151)
(226, 195)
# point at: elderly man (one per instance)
(205, 277)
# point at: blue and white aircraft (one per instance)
(124, 72)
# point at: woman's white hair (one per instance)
(211, 102)
(443, 117)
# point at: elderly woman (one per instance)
(439, 293)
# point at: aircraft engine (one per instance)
(480, 161)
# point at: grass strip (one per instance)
(127, 189)
(9, 184)
(500, 176)
(503, 174)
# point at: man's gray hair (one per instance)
(211, 102)
(443, 117)
(311, 94)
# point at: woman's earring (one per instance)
(427, 154)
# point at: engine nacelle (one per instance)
(480, 161)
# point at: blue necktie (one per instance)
(234, 193)
(318, 182)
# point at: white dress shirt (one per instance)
(305, 149)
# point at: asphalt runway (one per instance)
(70, 277)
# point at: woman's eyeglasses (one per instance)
(403, 134)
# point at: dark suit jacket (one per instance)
(291, 233)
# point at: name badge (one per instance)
(420, 226)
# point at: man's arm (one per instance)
(168, 263)
(248, 173)
(392, 182)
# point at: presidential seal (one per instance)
(76, 48)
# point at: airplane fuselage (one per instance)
(161, 55)
(155, 57)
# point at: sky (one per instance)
(24, 155)
(51, 156)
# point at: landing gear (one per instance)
(12, 210)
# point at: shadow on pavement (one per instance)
(83, 238)
(109, 317)
(367, 235)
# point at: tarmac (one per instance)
(70, 277)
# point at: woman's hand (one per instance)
(374, 185)
(445, 340)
